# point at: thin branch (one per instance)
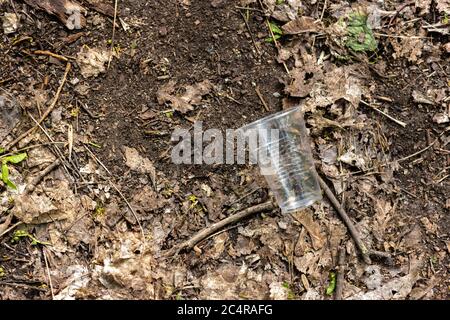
(401, 123)
(48, 274)
(30, 188)
(340, 274)
(113, 32)
(204, 233)
(348, 222)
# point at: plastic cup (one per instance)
(283, 154)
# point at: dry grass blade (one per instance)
(113, 32)
(47, 112)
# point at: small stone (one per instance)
(163, 31)
(197, 22)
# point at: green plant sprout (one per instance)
(15, 159)
(20, 234)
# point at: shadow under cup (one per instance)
(279, 144)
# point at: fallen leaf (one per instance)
(300, 25)
(68, 12)
(92, 61)
(398, 288)
(140, 164)
(305, 218)
(421, 98)
(183, 103)
(10, 23)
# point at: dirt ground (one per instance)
(98, 225)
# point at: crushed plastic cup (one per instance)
(280, 145)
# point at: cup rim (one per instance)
(269, 118)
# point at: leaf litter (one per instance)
(330, 76)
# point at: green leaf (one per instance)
(332, 285)
(16, 158)
(360, 35)
(2, 150)
(276, 36)
(275, 28)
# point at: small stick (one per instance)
(397, 12)
(10, 228)
(251, 34)
(5, 80)
(401, 123)
(350, 226)
(48, 274)
(113, 33)
(266, 107)
(323, 10)
(30, 188)
(47, 112)
(340, 274)
(248, 8)
(6, 224)
(202, 234)
(276, 44)
(51, 54)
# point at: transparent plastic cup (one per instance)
(283, 154)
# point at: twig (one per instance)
(400, 37)
(277, 45)
(113, 32)
(6, 80)
(340, 274)
(248, 8)
(418, 152)
(251, 34)
(266, 107)
(10, 228)
(348, 222)
(401, 123)
(323, 10)
(121, 195)
(397, 12)
(243, 197)
(365, 252)
(48, 274)
(6, 224)
(51, 54)
(30, 188)
(47, 112)
(202, 234)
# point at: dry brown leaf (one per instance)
(301, 25)
(10, 23)
(410, 48)
(92, 61)
(183, 103)
(103, 7)
(383, 212)
(398, 288)
(443, 6)
(69, 12)
(140, 164)
(305, 218)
